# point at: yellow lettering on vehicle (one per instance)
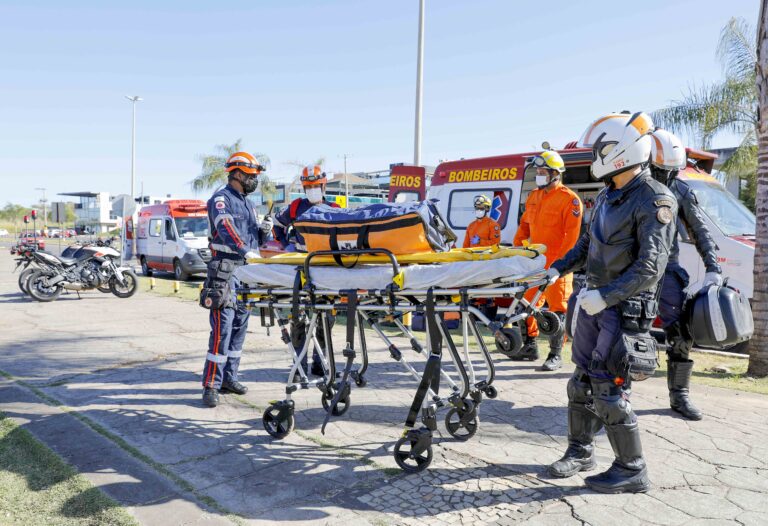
(484, 175)
(495, 174)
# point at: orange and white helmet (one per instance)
(245, 162)
(619, 141)
(667, 150)
(313, 175)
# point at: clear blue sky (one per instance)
(300, 79)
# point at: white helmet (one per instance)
(667, 150)
(619, 141)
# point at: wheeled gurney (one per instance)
(373, 287)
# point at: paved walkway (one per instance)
(129, 370)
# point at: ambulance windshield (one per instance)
(725, 211)
(192, 226)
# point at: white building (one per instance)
(94, 211)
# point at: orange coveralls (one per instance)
(483, 232)
(552, 217)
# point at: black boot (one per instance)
(580, 455)
(317, 369)
(233, 387)
(678, 382)
(529, 351)
(628, 473)
(210, 397)
(554, 360)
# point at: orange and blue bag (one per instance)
(401, 228)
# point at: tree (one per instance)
(727, 106)
(758, 346)
(12, 213)
(214, 174)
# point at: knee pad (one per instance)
(614, 409)
(679, 343)
(578, 390)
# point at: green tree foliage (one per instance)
(727, 106)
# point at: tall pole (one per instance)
(346, 179)
(419, 91)
(134, 99)
(44, 201)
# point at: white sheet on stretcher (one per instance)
(440, 275)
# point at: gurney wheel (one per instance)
(509, 341)
(341, 406)
(360, 381)
(406, 462)
(276, 427)
(458, 430)
(491, 392)
(549, 322)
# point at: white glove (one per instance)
(267, 224)
(251, 254)
(552, 275)
(712, 278)
(591, 301)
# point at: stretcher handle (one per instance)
(353, 252)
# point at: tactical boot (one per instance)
(233, 387)
(628, 473)
(580, 455)
(554, 361)
(210, 397)
(678, 382)
(529, 351)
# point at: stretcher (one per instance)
(300, 293)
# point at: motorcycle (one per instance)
(90, 267)
(25, 262)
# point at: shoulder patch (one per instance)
(664, 215)
(575, 201)
(220, 205)
(664, 202)
(219, 198)
(576, 212)
(496, 227)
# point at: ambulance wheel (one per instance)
(509, 341)
(145, 267)
(276, 426)
(408, 462)
(549, 322)
(178, 271)
(491, 392)
(340, 408)
(458, 430)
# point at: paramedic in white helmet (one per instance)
(668, 157)
(623, 253)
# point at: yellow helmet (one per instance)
(549, 159)
(482, 202)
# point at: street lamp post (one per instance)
(134, 99)
(45, 215)
(346, 179)
(419, 88)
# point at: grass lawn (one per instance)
(188, 290)
(39, 488)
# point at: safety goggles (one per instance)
(243, 164)
(313, 178)
(540, 162)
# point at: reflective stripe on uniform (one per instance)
(235, 354)
(217, 358)
(223, 248)
(221, 217)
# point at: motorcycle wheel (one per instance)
(104, 287)
(39, 290)
(23, 277)
(124, 290)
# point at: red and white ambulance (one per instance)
(507, 180)
(173, 236)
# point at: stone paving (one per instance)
(133, 368)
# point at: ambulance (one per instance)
(173, 237)
(508, 179)
(407, 183)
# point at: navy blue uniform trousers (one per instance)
(225, 344)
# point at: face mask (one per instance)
(249, 185)
(479, 214)
(542, 180)
(315, 195)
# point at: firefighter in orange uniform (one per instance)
(553, 215)
(483, 231)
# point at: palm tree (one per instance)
(213, 173)
(758, 346)
(727, 106)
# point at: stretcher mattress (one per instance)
(439, 275)
(457, 254)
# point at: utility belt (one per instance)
(635, 354)
(216, 293)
